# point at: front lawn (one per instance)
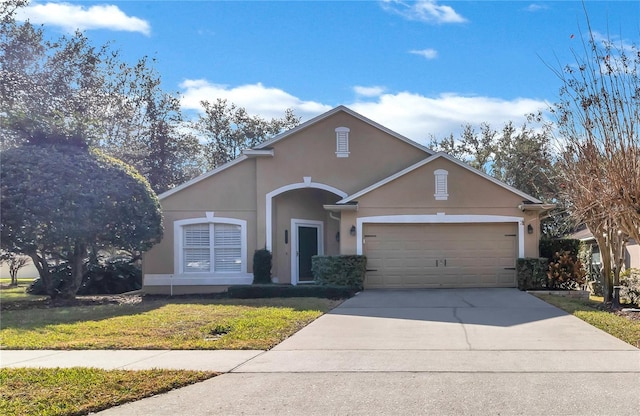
(78, 391)
(621, 327)
(16, 293)
(207, 324)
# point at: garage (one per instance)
(440, 255)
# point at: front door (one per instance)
(307, 247)
(308, 235)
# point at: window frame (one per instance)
(211, 221)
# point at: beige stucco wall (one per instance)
(469, 194)
(302, 204)
(231, 195)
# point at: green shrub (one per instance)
(548, 248)
(532, 273)
(262, 266)
(346, 270)
(565, 271)
(289, 291)
(104, 278)
(630, 282)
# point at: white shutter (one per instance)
(442, 192)
(227, 251)
(342, 142)
(197, 248)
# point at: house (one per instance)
(343, 184)
(631, 250)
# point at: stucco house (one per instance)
(343, 184)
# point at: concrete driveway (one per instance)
(440, 352)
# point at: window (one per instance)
(342, 142)
(212, 247)
(441, 185)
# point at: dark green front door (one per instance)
(307, 247)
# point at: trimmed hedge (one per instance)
(262, 266)
(548, 248)
(348, 270)
(289, 291)
(532, 273)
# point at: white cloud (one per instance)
(413, 115)
(372, 91)
(428, 11)
(255, 98)
(70, 17)
(420, 118)
(535, 7)
(426, 53)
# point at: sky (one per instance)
(421, 68)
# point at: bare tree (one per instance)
(15, 263)
(598, 117)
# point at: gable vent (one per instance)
(342, 141)
(442, 193)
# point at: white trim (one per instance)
(202, 177)
(438, 219)
(269, 203)
(258, 153)
(295, 224)
(206, 276)
(352, 113)
(189, 280)
(427, 160)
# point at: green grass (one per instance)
(620, 327)
(78, 391)
(162, 324)
(16, 293)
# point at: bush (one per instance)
(630, 282)
(262, 266)
(565, 271)
(548, 248)
(104, 278)
(289, 291)
(339, 270)
(532, 273)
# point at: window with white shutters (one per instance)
(212, 247)
(197, 248)
(442, 193)
(227, 248)
(342, 142)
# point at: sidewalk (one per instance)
(221, 361)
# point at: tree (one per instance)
(59, 201)
(85, 94)
(15, 263)
(598, 117)
(521, 157)
(228, 129)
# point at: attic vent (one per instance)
(342, 142)
(441, 185)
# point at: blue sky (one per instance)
(421, 68)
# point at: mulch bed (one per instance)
(78, 301)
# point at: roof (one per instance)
(352, 113)
(423, 162)
(259, 150)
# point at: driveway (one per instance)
(440, 352)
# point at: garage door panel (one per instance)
(414, 255)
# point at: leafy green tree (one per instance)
(228, 129)
(60, 201)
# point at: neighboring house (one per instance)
(343, 184)
(631, 251)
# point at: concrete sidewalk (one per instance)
(218, 361)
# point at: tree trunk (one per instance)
(76, 261)
(43, 271)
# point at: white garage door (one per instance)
(440, 255)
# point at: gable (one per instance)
(416, 186)
(315, 152)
